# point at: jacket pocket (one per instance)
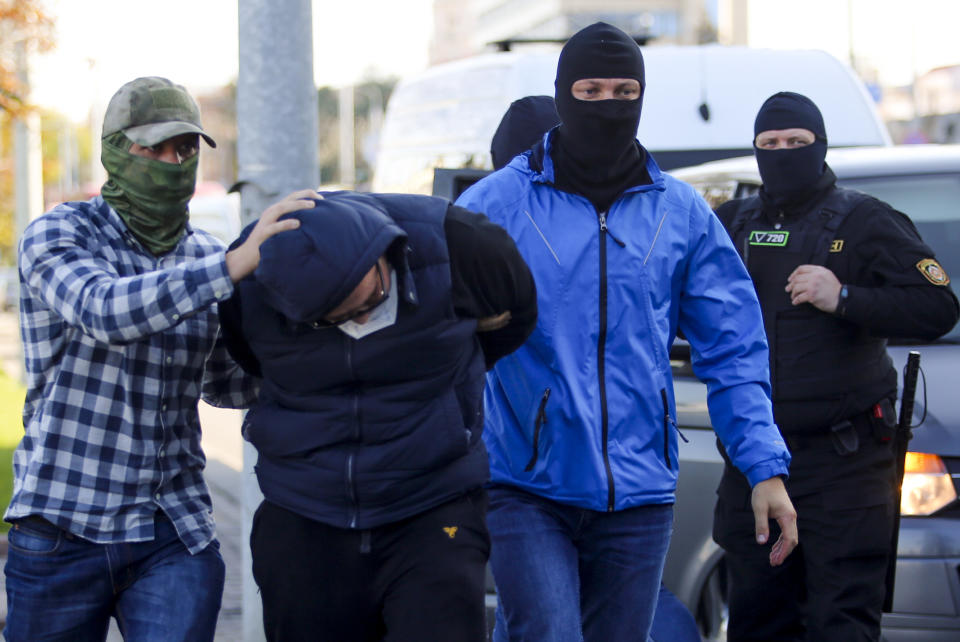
(538, 423)
(667, 423)
(35, 538)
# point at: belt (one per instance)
(861, 424)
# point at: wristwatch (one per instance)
(842, 301)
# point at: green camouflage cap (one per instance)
(151, 110)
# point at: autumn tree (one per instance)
(25, 29)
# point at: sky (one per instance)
(194, 42)
(897, 37)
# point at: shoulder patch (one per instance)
(933, 272)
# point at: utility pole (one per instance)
(277, 125)
(348, 161)
(29, 167)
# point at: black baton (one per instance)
(903, 436)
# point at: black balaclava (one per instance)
(596, 153)
(789, 175)
(522, 126)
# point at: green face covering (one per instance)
(149, 195)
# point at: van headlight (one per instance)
(927, 486)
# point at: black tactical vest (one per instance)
(822, 368)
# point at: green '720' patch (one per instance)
(775, 238)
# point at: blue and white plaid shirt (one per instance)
(119, 345)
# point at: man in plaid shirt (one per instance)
(118, 314)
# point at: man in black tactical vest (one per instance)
(836, 272)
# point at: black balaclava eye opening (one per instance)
(596, 153)
(790, 175)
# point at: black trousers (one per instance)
(832, 586)
(421, 578)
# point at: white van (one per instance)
(699, 105)
(214, 210)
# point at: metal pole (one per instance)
(28, 168)
(277, 126)
(348, 164)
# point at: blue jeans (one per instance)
(61, 587)
(565, 573)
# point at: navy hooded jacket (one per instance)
(360, 433)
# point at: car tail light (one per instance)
(927, 486)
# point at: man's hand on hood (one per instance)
(242, 260)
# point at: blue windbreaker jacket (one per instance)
(584, 412)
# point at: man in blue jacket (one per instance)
(371, 326)
(521, 128)
(581, 425)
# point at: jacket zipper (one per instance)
(667, 422)
(538, 423)
(351, 493)
(666, 427)
(601, 357)
(351, 482)
(351, 489)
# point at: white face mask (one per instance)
(382, 316)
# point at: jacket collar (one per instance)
(541, 166)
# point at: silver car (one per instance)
(924, 183)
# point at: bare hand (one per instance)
(770, 501)
(816, 285)
(244, 259)
(488, 324)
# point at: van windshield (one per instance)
(932, 201)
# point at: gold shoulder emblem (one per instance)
(451, 531)
(933, 272)
(836, 245)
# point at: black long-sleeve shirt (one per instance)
(489, 277)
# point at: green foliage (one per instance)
(369, 96)
(11, 431)
(65, 153)
(54, 129)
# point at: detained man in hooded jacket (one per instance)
(371, 326)
(581, 420)
(836, 271)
